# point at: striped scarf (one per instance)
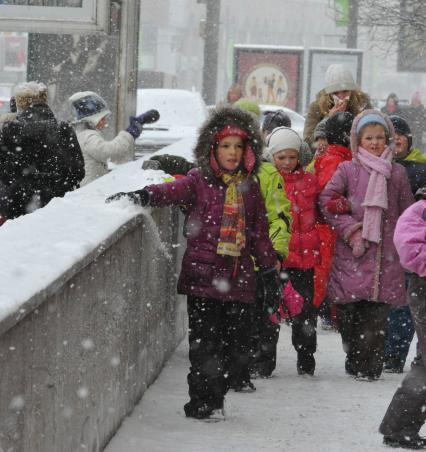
(232, 237)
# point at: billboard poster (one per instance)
(270, 75)
(320, 60)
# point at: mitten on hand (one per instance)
(357, 243)
(151, 164)
(135, 128)
(272, 290)
(140, 197)
(338, 204)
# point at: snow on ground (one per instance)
(330, 412)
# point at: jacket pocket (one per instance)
(199, 268)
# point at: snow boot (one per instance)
(414, 442)
(305, 364)
(201, 410)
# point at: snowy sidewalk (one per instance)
(330, 412)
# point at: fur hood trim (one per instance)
(219, 119)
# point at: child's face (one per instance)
(229, 153)
(373, 139)
(286, 160)
(102, 123)
(321, 145)
(401, 146)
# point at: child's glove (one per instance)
(338, 204)
(140, 197)
(272, 290)
(135, 127)
(357, 243)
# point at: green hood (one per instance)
(416, 155)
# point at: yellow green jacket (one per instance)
(415, 165)
(277, 207)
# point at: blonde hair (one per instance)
(357, 102)
(30, 93)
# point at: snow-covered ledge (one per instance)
(88, 313)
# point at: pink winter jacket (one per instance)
(410, 238)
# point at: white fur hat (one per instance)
(30, 93)
(286, 138)
(339, 78)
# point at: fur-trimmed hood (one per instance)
(355, 138)
(217, 120)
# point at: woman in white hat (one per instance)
(340, 93)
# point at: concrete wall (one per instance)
(79, 355)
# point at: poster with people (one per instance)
(270, 75)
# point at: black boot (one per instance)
(414, 442)
(305, 363)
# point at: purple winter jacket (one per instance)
(204, 272)
(410, 238)
(377, 275)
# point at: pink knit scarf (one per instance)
(376, 196)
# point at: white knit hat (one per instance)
(339, 78)
(286, 138)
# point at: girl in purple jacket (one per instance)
(366, 277)
(225, 226)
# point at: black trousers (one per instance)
(406, 414)
(263, 336)
(363, 325)
(304, 326)
(218, 348)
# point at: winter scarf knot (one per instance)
(376, 196)
(232, 238)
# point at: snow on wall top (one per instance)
(38, 248)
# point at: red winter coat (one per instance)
(325, 166)
(302, 190)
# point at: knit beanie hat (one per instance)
(372, 118)
(248, 105)
(339, 78)
(338, 128)
(274, 119)
(285, 138)
(402, 128)
(319, 131)
(30, 93)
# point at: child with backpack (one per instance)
(225, 226)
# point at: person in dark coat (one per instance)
(400, 330)
(406, 413)
(415, 115)
(226, 227)
(391, 106)
(40, 157)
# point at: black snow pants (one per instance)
(406, 414)
(362, 325)
(218, 348)
(304, 326)
(263, 336)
